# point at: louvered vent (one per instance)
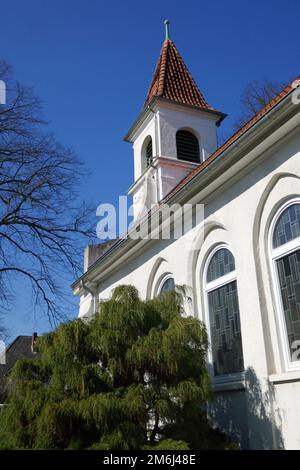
(187, 147)
(149, 154)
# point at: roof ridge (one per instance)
(15, 340)
(162, 70)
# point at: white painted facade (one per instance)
(160, 122)
(242, 191)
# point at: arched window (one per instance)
(285, 253)
(167, 284)
(149, 153)
(187, 146)
(223, 313)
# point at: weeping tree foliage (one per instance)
(133, 377)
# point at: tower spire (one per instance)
(172, 80)
(167, 32)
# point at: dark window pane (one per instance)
(168, 285)
(288, 268)
(221, 263)
(288, 226)
(187, 147)
(149, 153)
(224, 318)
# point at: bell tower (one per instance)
(175, 132)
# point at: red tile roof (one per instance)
(268, 107)
(173, 81)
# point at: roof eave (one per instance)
(129, 137)
(140, 119)
(221, 116)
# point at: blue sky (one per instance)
(91, 63)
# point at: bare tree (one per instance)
(42, 229)
(256, 95)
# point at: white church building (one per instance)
(243, 271)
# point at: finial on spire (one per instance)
(167, 22)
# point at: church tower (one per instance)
(175, 132)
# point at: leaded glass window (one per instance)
(289, 280)
(286, 255)
(288, 226)
(224, 314)
(167, 285)
(221, 263)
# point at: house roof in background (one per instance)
(20, 348)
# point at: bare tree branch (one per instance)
(255, 96)
(42, 227)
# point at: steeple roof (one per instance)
(173, 81)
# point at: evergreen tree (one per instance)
(133, 377)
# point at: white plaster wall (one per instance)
(170, 173)
(139, 160)
(85, 306)
(157, 182)
(229, 412)
(202, 124)
(287, 413)
(238, 215)
(162, 127)
(145, 193)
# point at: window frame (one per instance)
(274, 255)
(207, 288)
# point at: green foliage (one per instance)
(168, 444)
(133, 377)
